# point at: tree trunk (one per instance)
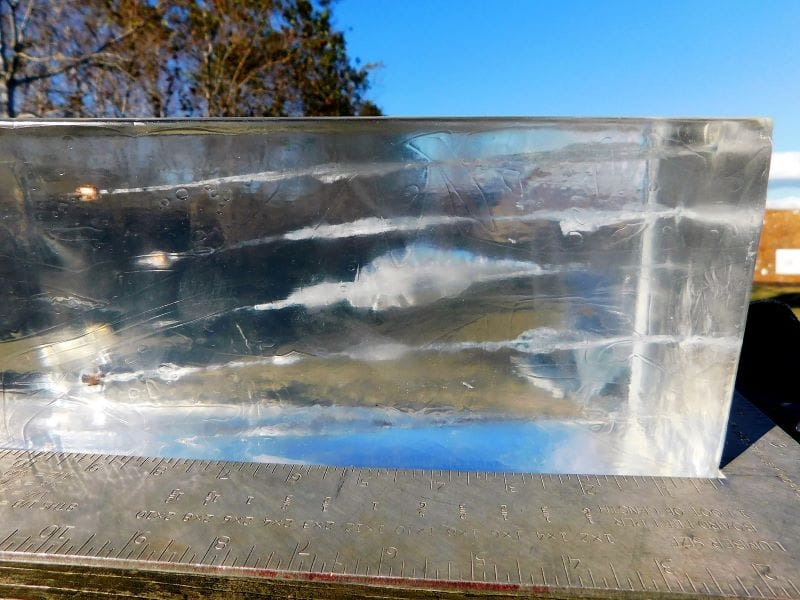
(10, 105)
(4, 99)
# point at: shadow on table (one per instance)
(767, 379)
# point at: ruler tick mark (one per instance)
(741, 583)
(126, 543)
(169, 543)
(57, 550)
(566, 569)
(142, 552)
(663, 575)
(641, 581)
(89, 539)
(9, 536)
(614, 573)
(25, 541)
(714, 579)
(249, 554)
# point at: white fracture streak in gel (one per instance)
(73, 302)
(421, 275)
(569, 220)
(585, 220)
(372, 226)
(159, 260)
(591, 221)
(572, 220)
(328, 173)
(588, 221)
(358, 228)
(172, 372)
(545, 340)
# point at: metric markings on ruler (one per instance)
(415, 528)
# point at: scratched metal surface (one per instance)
(163, 527)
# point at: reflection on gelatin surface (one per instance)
(522, 295)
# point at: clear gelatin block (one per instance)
(546, 295)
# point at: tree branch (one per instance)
(75, 62)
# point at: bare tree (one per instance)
(176, 58)
(42, 43)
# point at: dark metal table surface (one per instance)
(78, 525)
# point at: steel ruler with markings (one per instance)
(92, 525)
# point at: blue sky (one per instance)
(605, 57)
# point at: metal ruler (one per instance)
(154, 528)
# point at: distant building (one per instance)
(778, 259)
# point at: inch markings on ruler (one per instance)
(504, 533)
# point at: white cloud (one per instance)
(785, 166)
(785, 203)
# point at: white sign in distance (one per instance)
(787, 261)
